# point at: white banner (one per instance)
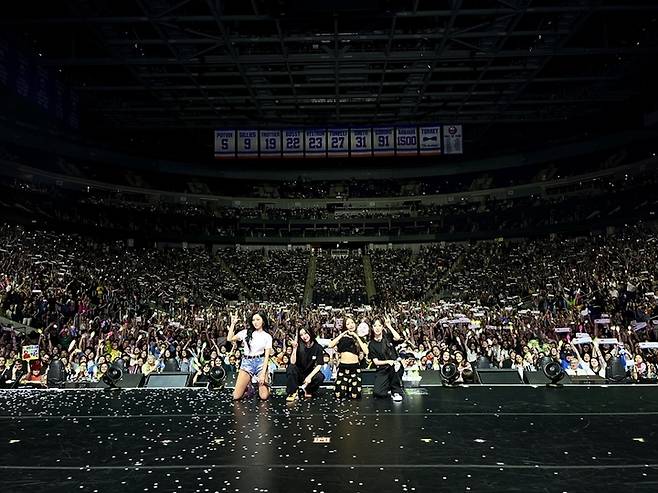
(338, 142)
(610, 340)
(585, 339)
(562, 330)
(361, 142)
(452, 139)
(429, 139)
(648, 345)
(602, 321)
(224, 144)
(315, 142)
(247, 143)
(383, 141)
(406, 141)
(270, 143)
(293, 143)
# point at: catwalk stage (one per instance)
(479, 438)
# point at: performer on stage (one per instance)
(305, 364)
(384, 355)
(256, 349)
(348, 378)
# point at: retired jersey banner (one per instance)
(247, 143)
(429, 140)
(361, 142)
(224, 144)
(315, 140)
(452, 139)
(383, 141)
(406, 141)
(402, 140)
(293, 142)
(270, 143)
(338, 142)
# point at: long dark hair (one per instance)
(251, 328)
(310, 331)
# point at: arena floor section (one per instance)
(477, 438)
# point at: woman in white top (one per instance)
(256, 349)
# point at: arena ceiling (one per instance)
(202, 64)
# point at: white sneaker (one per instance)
(397, 397)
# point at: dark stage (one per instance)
(479, 438)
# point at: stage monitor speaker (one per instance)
(166, 380)
(430, 377)
(279, 378)
(538, 378)
(498, 375)
(128, 381)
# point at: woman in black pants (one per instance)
(348, 378)
(384, 355)
(306, 361)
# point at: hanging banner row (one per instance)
(339, 142)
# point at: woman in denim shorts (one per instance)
(256, 349)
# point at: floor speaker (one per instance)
(538, 378)
(166, 380)
(498, 375)
(128, 381)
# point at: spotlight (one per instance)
(449, 374)
(615, 370)
(56, 376)
(112, 376)
(216, 377)
(483, 363)
(553, 371)
(468, 376)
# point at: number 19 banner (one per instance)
(270, 143)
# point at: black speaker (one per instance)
(128, 381)
(498, 375)
(166, 380)
(278, 378)
(56, 376)
(538, 378)
(430, 377)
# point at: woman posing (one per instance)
(348, 378)
(256, 349)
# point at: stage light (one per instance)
(112, 376)
(56, 376)
(449, 374)
(615, 370)
(553, 371)
(216, 378)
(483, 363)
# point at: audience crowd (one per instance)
(583, 302)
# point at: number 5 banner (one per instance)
(224, 144)
(338, 142)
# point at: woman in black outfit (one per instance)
(348, 378)
(303, 372)
(384, 355)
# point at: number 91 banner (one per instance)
(425, 140)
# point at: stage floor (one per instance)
(480, 438)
